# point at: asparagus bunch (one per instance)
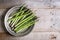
(22, 19)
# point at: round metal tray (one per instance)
(14, 9)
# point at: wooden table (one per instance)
(47, 28)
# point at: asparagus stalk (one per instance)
(25, 26)
(23, 11)
(28, 11)
(26, 16)
(19, 18)
(17, 21)
(14, 16)
(23, 16)
(14, 20)
(24, 21)
(17, 13)
(22, 7)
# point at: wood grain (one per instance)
(48, 26)
(33, 36)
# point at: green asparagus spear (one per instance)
(17, 21)
(19, 18)
(26, 16)
(22, 7)
(25, 26)
(19, 11)
(27, 22)
(24, 21)
(14, 15)
(14, 20)
(23, 11)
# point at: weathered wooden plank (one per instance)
(33, 36)
(55, 3)
(2, 14)
(45, 23)
(56, 19)
(10, 3)
(46, 20)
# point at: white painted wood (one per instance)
(36, 36)
(56, 19)
(55, 3)
(48, 26)
(40, 3)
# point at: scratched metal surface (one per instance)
(48, 26)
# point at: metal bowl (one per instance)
(14, 9)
